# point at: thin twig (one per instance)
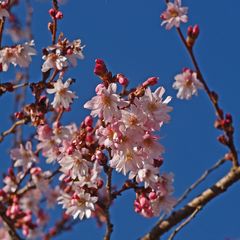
(109, 227)
(54, 32)
(200, 180)
(12, 129)
(2, 22)
(182, 225)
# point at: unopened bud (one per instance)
(122, 79)
(59, 15)
(150, 82)
(222, 139)
(195, 31)
(52, 12)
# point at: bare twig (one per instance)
(181, 226)
(12, 129)
(2, 22)
(200, 180)
(54, 31)
(109, 227)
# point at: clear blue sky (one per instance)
(128, 36)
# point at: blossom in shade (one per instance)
(187, 84)
(80, 204)
(23, 156)
(63, 96)
(174, 15)
(20, 55)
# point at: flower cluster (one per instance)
(62, 54)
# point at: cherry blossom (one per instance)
(79, 204)
(19, 55)
(55, 61)
(187, 84)
(23, 156)
(106, 104)
(174, 15)
(63, 97)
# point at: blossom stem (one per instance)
(2, 22)
(109, 228)
(54, 32)
(214, 101)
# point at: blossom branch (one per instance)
(181, 226)
(203, 199)
(214, 99)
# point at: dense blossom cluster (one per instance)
(120, 134)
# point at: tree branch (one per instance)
(181, 226)
(203, 199)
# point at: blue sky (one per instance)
(128, 36)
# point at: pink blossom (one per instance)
(23, 157)
(55, 61)
(79, 204)
(174, 15)
(187, 84)
(19, 55)
(106, 104)
(63, 96)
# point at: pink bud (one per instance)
(152, 195)
(52, 12)
(195, 31)
(70, 150)
(69, 51)
(190, 31)
(59, 15)
(88, 121)
(89, 129)
(150, 82)
(144, 202)
(122, 79)
(100, 67)
(89, 139)
(99, 183)
(229, 117)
